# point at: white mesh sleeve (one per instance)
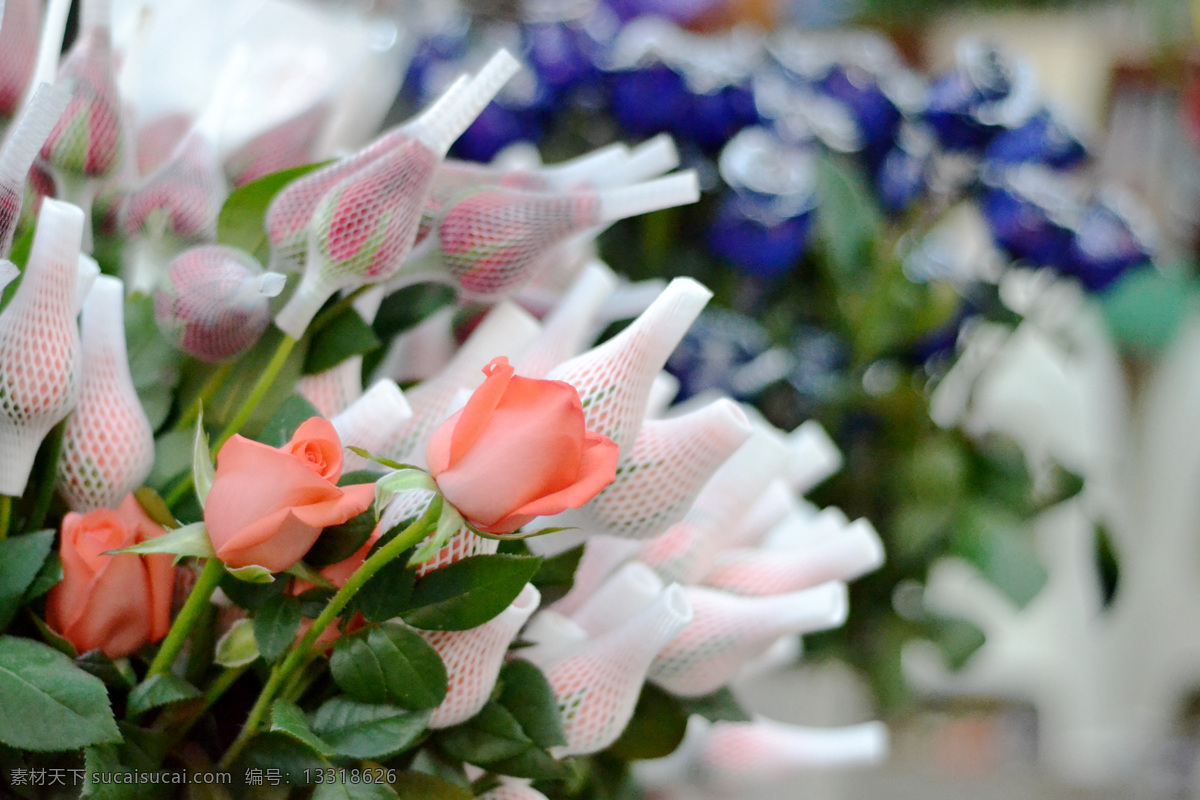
(568, 328)
(369, 421)
(620, 598)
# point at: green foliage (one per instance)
(389, 664)
(153, 362)
(1146, 306)
(494, 738)
(387, 593)
(656, 729)
(241, 221)
(339, 542)
(556, 576)
(39, 683)
(367, 730)
(294, 412)
(418, 786)
(116, 674)
(160, 690)
(338, 790)
(469, 592)
(344, 336)
(529, 697)
(288, 719)
(21, 560)
(276, 623)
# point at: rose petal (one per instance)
(597, 470)
(317, 443)
(477, 414)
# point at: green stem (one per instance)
(299, 652)
(192, 610)
(207, 390)
(268, 376)
(45, 491)
(5, 515)
(331, 313)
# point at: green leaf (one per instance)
(557, 575)
(957, 638)
(847, 218)
(995, 542)
(21, 559)
(656, 729)
(251, 573)
(117, 674)
(1108, 566)
(240, 222)
(275, 625)
(1146, 306)
(355, 477)
(52, 638)
(449, 523)
(719, 706)
(345, 336)
(306, 573)
(49, 703)
(153, 362)
(354, 791)
(528, 696)
(468, 593)
(491, 735)
(160, 690)
(389, 664)
(203, 471)
(419, 786)
(294, 412)
(190, 540)
(404, 479)
(288, 719)
(364, 730)
(237, 647)
(48, 576)
(533, 762)
(155, 507)
(279, 751)
(101, 763)
(250, 596)
(339, 542)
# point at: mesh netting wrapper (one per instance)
(108, 444)
(26, 138)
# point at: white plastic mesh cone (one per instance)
(18, 51)
(184, 194)
(20, 149)
(505, 331)
(775, 505)
(550, 635)
(511, 789)
(289, 144)
(658, 482)
(814, 457)
(368, 422)
(662, 393)
(40, 359)
(597, 684)
(727, 631)
(464, 543)
(333, 390)
(473, 659)
(214, 302)
(614, 379)
(568, 329)
(108, 444)
(854, 552)
(745, 754)
(419, 353)
(620, 598)
(602, 555)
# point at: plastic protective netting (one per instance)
(727, 631)
(289, 144)
(512, 789)
(86, 141)
(505, 331)
(422, 351)
(572, 324)
(214, 302)
(745, 754)
(845, 556)
(473, 659)
(184, 193)
(659, 480)
(157, 140)
(108, 444)
(40, 359)
(602, 555)
(463, 543)
(597, 683)
(621, 597)
(333, 390)
(20, 149)
(369, 421)
(18, 51)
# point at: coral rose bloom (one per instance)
(267, 506)
(112, 603)
(519, 450)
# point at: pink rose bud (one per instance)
(215, 302)
(108, 444)
(40, 359)
(113, 603)
(519, 450)
(267, 506)
(185, 192)
(289, 144)
(86, 141)
(18, 51)
(473, 659)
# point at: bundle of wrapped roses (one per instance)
(237, 559)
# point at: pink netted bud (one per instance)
(727, 631)
(614, 379)
(597, 683)
(215, 302)
(741, 755)
(21, 147)
(40, 360)
(289, 144)
(658, 482)
(86, 141)
(157, 140)
(513, 789)
(505, 331)
(492, 241)
(108, 444)
(182, 196)
(18, 51)
(369, 421)
(473, 659)
(845, 556)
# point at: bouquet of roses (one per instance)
(226, 566)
